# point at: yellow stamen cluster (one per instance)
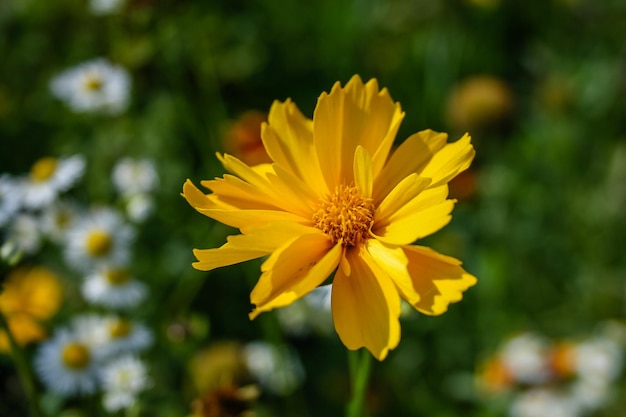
(119, 328)
(43, 169)
(117, 276)
(75, 355)
(93, 83)
(98, 242)
(345, 215)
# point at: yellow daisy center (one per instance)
(43, 169)
(119, 328)
(345, 215)
(93, 83)
(99, 242)
(75, 355)
(117, 276)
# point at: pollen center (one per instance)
(43, 169)
(75, 355)
(93, 83)
(98, 243)
(120, 328)
(117, 276)
(345, 215)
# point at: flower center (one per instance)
(75, 355)
(43, 169)
(93, 83)
(345, 216)
(117, 276)
(98, 243)
(119, 328)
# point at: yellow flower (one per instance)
(30, 295)
(336, 199)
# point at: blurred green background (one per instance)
(540, 86)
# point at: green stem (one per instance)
(360, 363)
(23, 371)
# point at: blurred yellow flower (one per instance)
(478, 102)
(336, 198)
(30, 295)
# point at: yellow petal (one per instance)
(366, 306)
(359, 114)
(410, 157)
(256, 243)
(288, 140)
(363, 174)
(271, 189)
(420, 217)
(393, 261)
(245, 220)
(293, 271)
(405, 191)
(449, 161)
(439, 279)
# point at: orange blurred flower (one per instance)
(242, 138)
(30, 295)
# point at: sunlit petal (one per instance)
(439, 279)
(366, 306)
(293, 271)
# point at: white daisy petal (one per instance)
(96, 86)
(66, 364)
(99, 239)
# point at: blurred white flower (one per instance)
(10, 198)
(312, 312)
(122, 380)
(134, 176)
(48, 177)
(100, 238)
(126, 336)
(58, 218)
(525, 357)
(139, 207)
(104, 7)
(543, 403)
(598, 360)
(93, 86)
(277, 368)
(24, 232)
(66, 364)
(589, 395)
(113, 287)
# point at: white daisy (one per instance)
(525, 357)
(134, 176)
(104, 7)
(24, 233)
(93, 86)
(277, 368)
(139, 207)
(122, 380)
(94, 329)
(58, 218)
(312, 312)
(48, 177)
(100, 238)
(542, 403)
(10, 198)
(66, 364)
(113, 287)
(126, 336)
(598, 360)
